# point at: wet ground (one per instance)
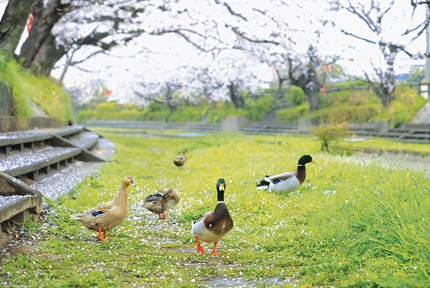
(410, 160)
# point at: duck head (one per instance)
(220, 188)
(306, 159)
(128, 180)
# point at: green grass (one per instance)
(351, 224)
(185, 112)
(48, 96)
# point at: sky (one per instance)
(115, 69)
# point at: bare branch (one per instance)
(231, 11)
(356, 36)
(242, 35)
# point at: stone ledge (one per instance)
(12, 123)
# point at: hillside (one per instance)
(25, 95)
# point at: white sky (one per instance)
(116, 68)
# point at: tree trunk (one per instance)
(236, 97)
(384, 91)
(311, 94)
(386, 85)
(171, 103)
(44, 18)
(47, 56)
(281, 81)
(309, 84)
(12, 24)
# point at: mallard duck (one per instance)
(108, 215)
(288, 181)
(213, 226)
(181, 158)
(162, 201)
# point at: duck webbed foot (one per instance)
(100, 235)
(163, 217)
(213, 251)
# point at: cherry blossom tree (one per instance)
(230, 72)
(385, 27)
(62, 27)
(290, 41)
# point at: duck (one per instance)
(181, 158)
(107, 215)
(213, 226)
(162, 201)
(288, 181)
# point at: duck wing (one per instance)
(153, 199)
(208, 214)
(101, 209)
(280, 177)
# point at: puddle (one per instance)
(189, 134)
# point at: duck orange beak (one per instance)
(314, 162)
(221, 187)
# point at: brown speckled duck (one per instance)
(162, 201)
(181, 159)
(288, 181)
(108, 215)
(213, 226)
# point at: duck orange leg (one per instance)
(100, 235)
(213, 251)
(163, 217)
(104, 234)
(199, 248)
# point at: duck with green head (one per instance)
(213, 226)
(288, 181)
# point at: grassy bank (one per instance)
(352, 223)
(48, 96)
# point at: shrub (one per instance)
(292, 114)
(330, 133)
(255, 110)
(295, 96)
(108, 107)
(221, 110)
(86, 115)
(404, 107)
(158, 115)
(350, 113)
(184, 114)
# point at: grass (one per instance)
(49, 97)
(352, 223)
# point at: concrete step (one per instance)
(62, 182)
(34, 139)
(85, 140)
(37, 164)
(45, 163)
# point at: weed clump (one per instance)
(329, 134)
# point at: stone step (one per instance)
(62, 182)
(34, 139)
(34, 165)
(85, 140)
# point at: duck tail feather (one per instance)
(263, 184)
